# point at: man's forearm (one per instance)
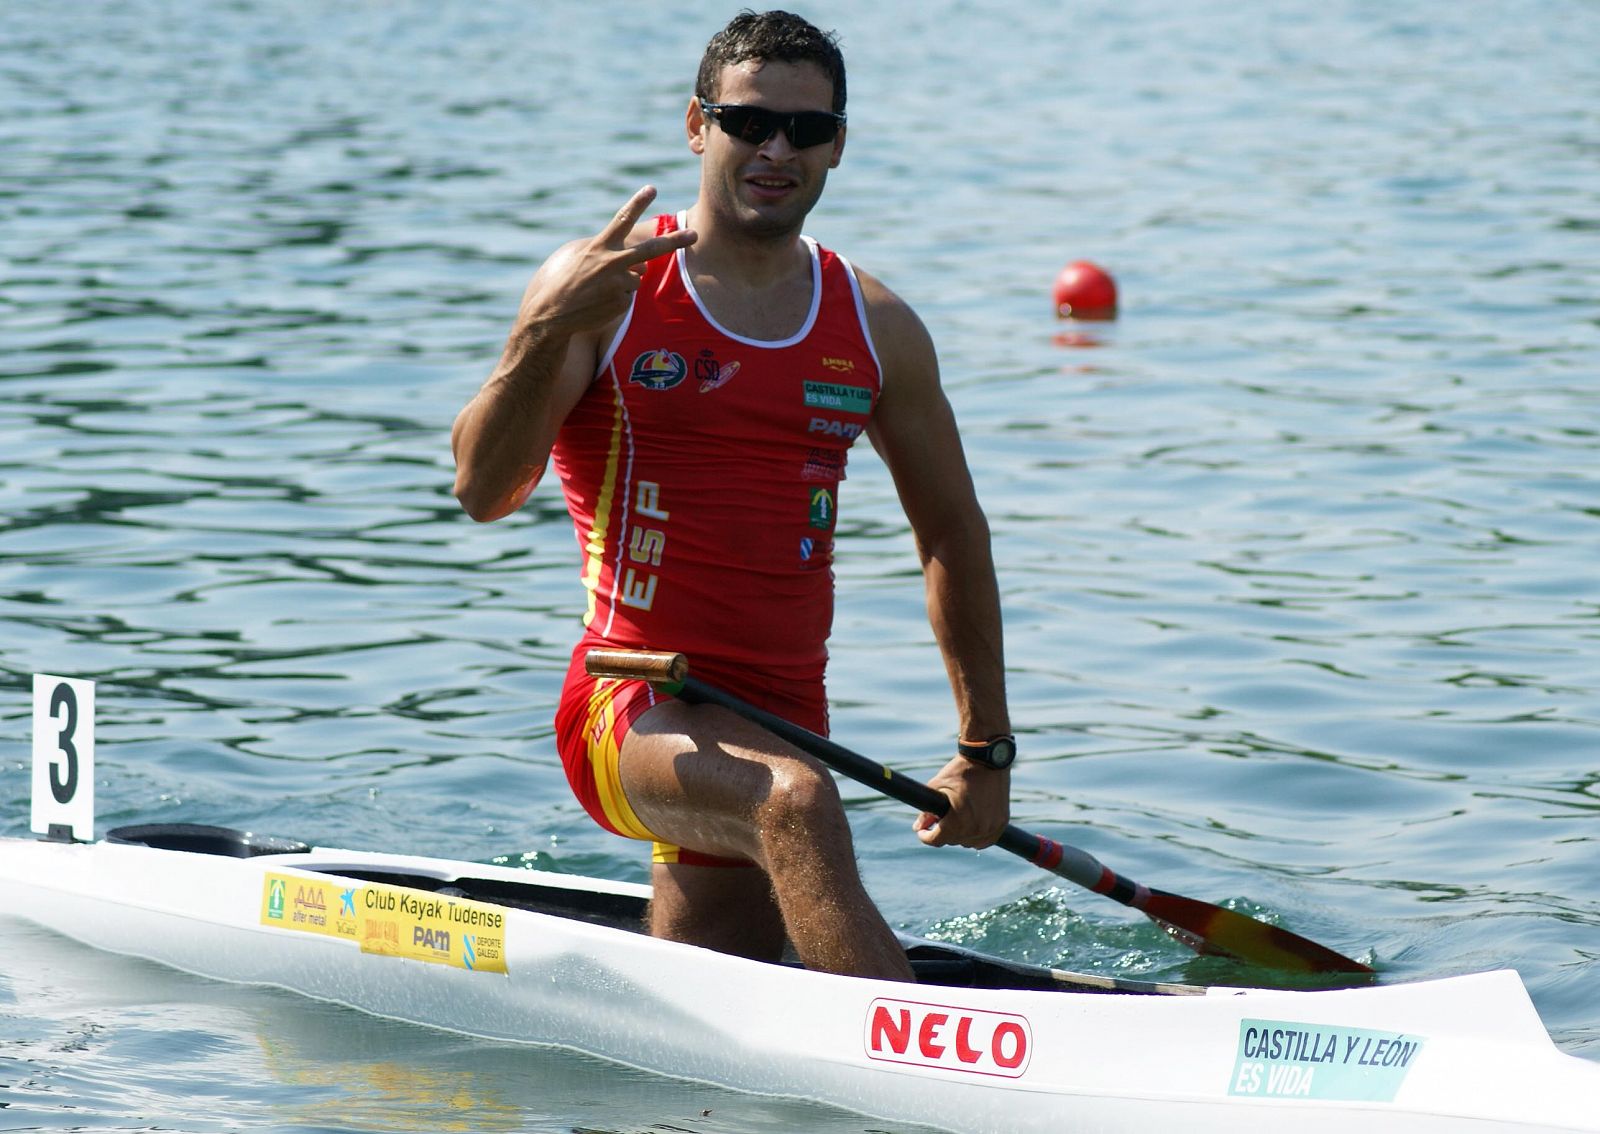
(964, 610)
(502, 438)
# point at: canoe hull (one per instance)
(1426, 1056)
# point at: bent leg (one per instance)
(702, 777)
(729, 909)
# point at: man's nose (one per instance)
(778, 147)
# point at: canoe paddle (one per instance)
(1202, 926)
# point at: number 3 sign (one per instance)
(63, 757)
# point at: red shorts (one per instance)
(594, 716)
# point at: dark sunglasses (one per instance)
(754, 124)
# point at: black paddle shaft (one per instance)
(1070, 863)
(1200, 925)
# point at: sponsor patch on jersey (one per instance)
(659, 369)
(711, 373)
(823, 464)
(821, 509)
(815, 552)
(838, 397)
(843, 365)
(847, 429)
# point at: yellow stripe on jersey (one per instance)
(595, 546)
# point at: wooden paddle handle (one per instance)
(641, 665)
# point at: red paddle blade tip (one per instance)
(1208, 928)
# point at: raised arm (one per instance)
(914, 430)
(502, 437)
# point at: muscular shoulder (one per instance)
(902, 340)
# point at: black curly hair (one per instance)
(776, 35)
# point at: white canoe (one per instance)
(978, 1046)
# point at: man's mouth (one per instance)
(770, 186)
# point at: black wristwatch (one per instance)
(997, 752)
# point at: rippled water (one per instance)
(1297, 554)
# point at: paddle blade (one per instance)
(1211, 929)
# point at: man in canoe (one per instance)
(698, 380)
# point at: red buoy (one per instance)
(1085, 291)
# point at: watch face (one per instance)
(998, 753)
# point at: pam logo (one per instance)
(424, 937)
(659, 369)
(830, 428)
(955, 1039)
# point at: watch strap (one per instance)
(997, 752)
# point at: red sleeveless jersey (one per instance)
(702, 468)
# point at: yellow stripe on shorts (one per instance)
(600, 737)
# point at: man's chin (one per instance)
(775, 218)
(769, 227)
(767, 223)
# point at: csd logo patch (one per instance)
(659, 369)
(712, 375)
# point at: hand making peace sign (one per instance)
(590, 282)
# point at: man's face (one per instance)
(765, 188)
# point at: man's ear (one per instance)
(838, 148)
(694, 124)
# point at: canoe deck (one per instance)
(934, 963)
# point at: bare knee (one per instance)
(802, 811)
(802, 790)
(700, 777)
